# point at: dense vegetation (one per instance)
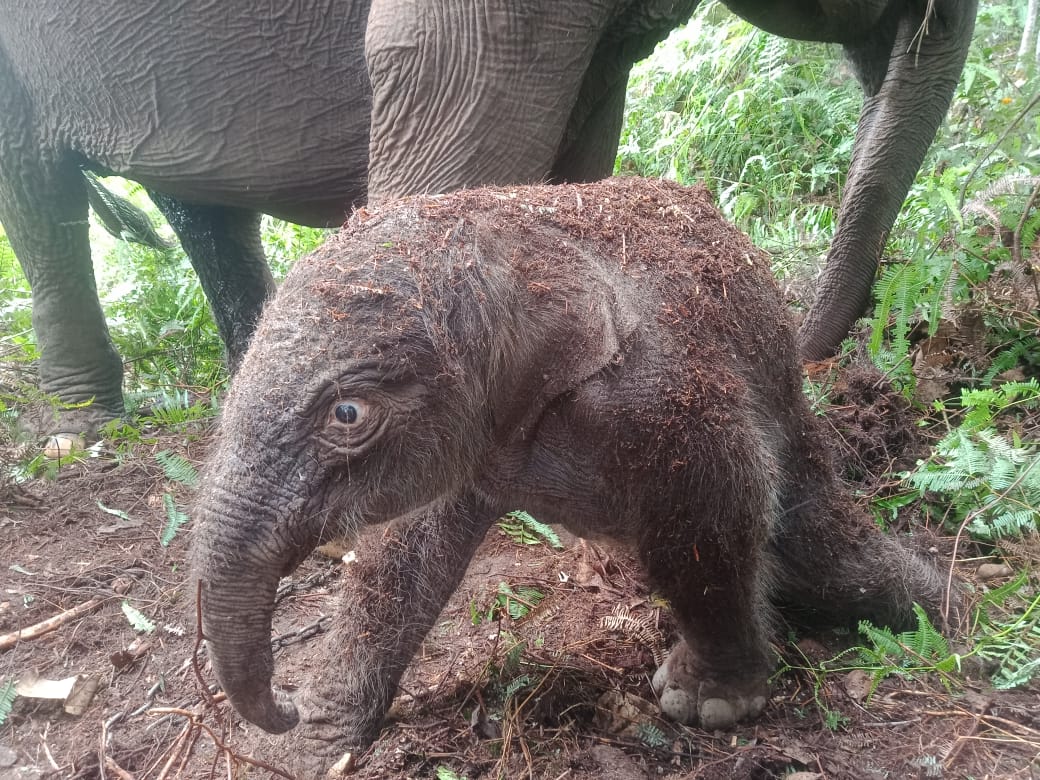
(768, 125)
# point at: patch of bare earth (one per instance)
(562, 693)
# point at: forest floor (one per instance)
(561, 693)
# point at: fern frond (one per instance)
(174, 520)
(882, 639)
(652, 736)
(643, 628)
(177, 468)
(7, 697)
(516, 685)
(926, 641)
(137, 619)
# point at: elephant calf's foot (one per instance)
(689, 696)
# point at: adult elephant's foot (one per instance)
(44, 421)
(694, 698)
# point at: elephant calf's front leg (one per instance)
(392, 595)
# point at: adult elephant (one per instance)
(221, 110)
(498, 92)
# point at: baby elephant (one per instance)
(612, 357)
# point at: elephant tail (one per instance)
(120, 217)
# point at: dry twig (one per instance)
(7, 641)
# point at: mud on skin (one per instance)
(613, 357)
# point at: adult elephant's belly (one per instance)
(212, 103)
(304, 166)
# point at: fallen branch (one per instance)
(117, 770)
(7, 641)
(194, 723)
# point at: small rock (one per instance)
(990, 571)
(62, 444)
(858, 684)
(623, 713)
(7, 756)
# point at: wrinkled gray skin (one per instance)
(227, 110)
(458, 357)
(499, 92)
(222, 110)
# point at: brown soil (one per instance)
(573, 701)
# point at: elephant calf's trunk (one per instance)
(240, 652)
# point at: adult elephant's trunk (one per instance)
(237, 562)
(909, 89)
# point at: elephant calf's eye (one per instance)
(347, 413)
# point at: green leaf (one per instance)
(7, 697)
(177, 468)
(174, 520)
(524, 529)
(140, 623)
(117, 512)
(652, 736)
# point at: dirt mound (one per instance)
(876, 431)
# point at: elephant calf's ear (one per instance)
(593, 325)
(593, 344)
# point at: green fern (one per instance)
(174, 410)
(1011, 357)
(982, 406)
(7, 697)
(898, 292)
(919, 650)
(137, 619)
(524, 529)
(652, 736)
(519, 602)
(516, 685)
(177, 468)
(174, 520)
(985, 476)
(1011, 642)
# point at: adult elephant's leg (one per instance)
(502, 92)
(224, 247)
(472, 93)
(43, 208)
(589, 148)
(908, 68)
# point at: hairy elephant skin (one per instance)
(222, 110)
(472, 93)
(613, 357)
